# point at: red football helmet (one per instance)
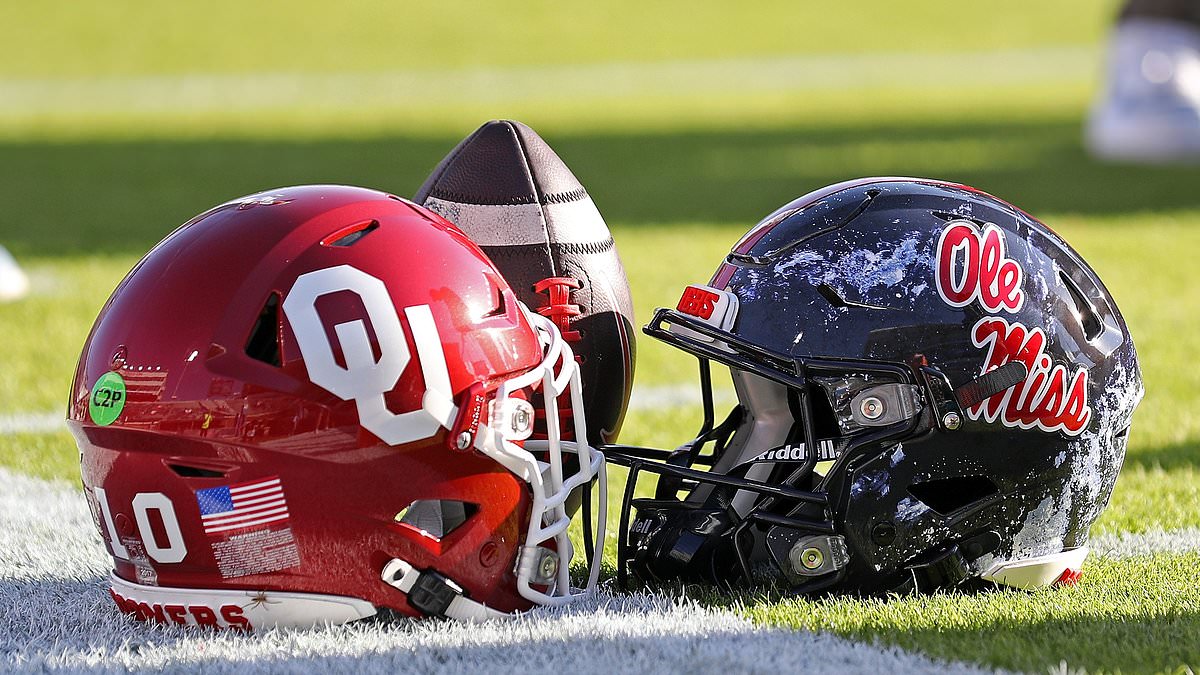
(315, 403)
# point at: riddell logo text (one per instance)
(1051, 398)
(698, 302)
(986, 274)
(225, 616)
(826, 450)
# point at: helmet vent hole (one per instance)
(263, 344)
(831, 295)
(436, 518)
(186, 471)
(947, 495)
(349, 236)
(949, 216)
(834, 298)
(1084, 310)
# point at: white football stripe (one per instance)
(494, 225)
(574, 222)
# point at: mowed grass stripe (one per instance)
(198, 94)
(122, 37)
(1139, 614)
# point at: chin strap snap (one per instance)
(952, 566)
(947, 570)
(433, 594)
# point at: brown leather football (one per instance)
(515, 197)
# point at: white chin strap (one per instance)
(447, 597)
(537, 564)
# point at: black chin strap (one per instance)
(991, 383)
(951, 567)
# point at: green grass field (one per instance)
(83, 195)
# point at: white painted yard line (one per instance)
(55, 614)
(1129, 544)
(32, 423)
(252, 91)
(653, 397)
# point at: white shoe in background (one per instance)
(1149, 110)
(13, 282)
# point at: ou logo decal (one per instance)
(363, 379)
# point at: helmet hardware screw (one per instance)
(521, 420)
(883, 533)
(548, 567)
(951, 421)
(871, 407)
(463, 441)
(811, 558)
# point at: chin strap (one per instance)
(947, 570)
(951, 567)
(435, 595)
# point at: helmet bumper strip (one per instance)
(237, 609)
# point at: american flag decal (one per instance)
(235, 507)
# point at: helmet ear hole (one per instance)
(947, 495)
(263, 344)
(436, 518)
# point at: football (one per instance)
(512, 194)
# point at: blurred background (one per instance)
(686, 121)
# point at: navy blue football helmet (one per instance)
(932, 388)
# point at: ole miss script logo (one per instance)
(972, 266)
(986, 275)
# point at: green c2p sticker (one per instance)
(108, 399)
